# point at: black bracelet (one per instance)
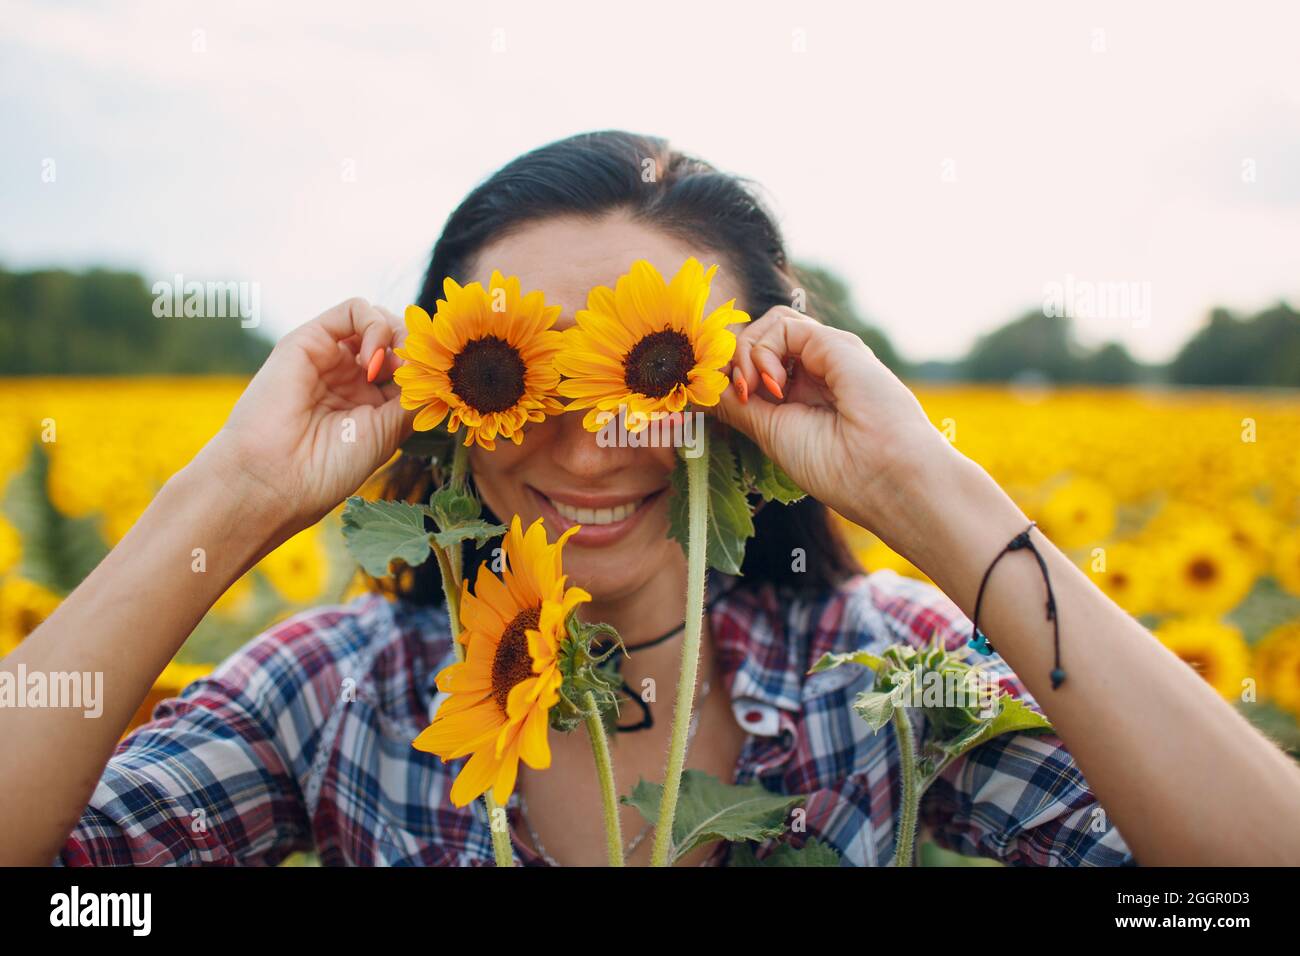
(981, 643)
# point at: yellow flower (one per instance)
(24, 606)
(11, 544)
(1215, 650)
(485, 359)
(646, 345)
(1205, 571)
(236, 599)
(501, 694)
(877, 556)
(1277, 662)
(297, 569)
(1129, 576)
(1254, 529)
(1078, 513)
(1286, 561)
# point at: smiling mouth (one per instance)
(598, 516)
(591, 517)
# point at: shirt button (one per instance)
(756, 717)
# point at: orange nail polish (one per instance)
(770, 382)
(376, 363)
(742, 387)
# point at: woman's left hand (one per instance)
(820, 404)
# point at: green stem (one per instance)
(697, 491)
(605, 770)
(502, 852)
(449, 566)
(459, 465)
(451, 592)
(905, 842)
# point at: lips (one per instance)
(604, 519)
(595, 516)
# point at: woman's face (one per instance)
(560, 473)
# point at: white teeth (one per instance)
(595, 516)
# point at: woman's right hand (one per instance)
(310, 427)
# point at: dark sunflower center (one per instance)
(1202, 571)
(488, 374)
(659, 363)
(513, 663)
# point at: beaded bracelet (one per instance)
(981, 643)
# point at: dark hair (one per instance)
(593, 174)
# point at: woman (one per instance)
(303, 738)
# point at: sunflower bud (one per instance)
(586, 665)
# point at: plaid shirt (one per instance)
(302, 740)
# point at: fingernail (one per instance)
(742, 387)
(376, 363)
(770, 382)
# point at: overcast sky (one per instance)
(952, 162)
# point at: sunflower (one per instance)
(1205, 570)
(500, 696)
(1215, 650)
(24, 606)
(1254, 529)
(646, 345)
(11, 547)
(1277, 661)
(1286, 561)
(297, 569)
(485, 360)
(1129, 577)
(1078, 513)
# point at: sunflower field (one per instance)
(1184, 506)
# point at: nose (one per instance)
(580, 453)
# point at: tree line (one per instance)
(104, 322)
(1228, 350)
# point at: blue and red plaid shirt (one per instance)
(302, 741)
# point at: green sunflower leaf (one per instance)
(877, 707)
(761, 474)
(709, 810)
(730, 523)
(828, 661)
(480, 531)
(1014, 716)
(380, 532)
(812, 853)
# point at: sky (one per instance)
(957, 163)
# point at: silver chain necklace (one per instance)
(640, 837)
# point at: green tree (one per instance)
(1261, 350)
(102, 322)
(1034, 343)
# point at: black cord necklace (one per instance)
(647, 716)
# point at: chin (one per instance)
(610, 573)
